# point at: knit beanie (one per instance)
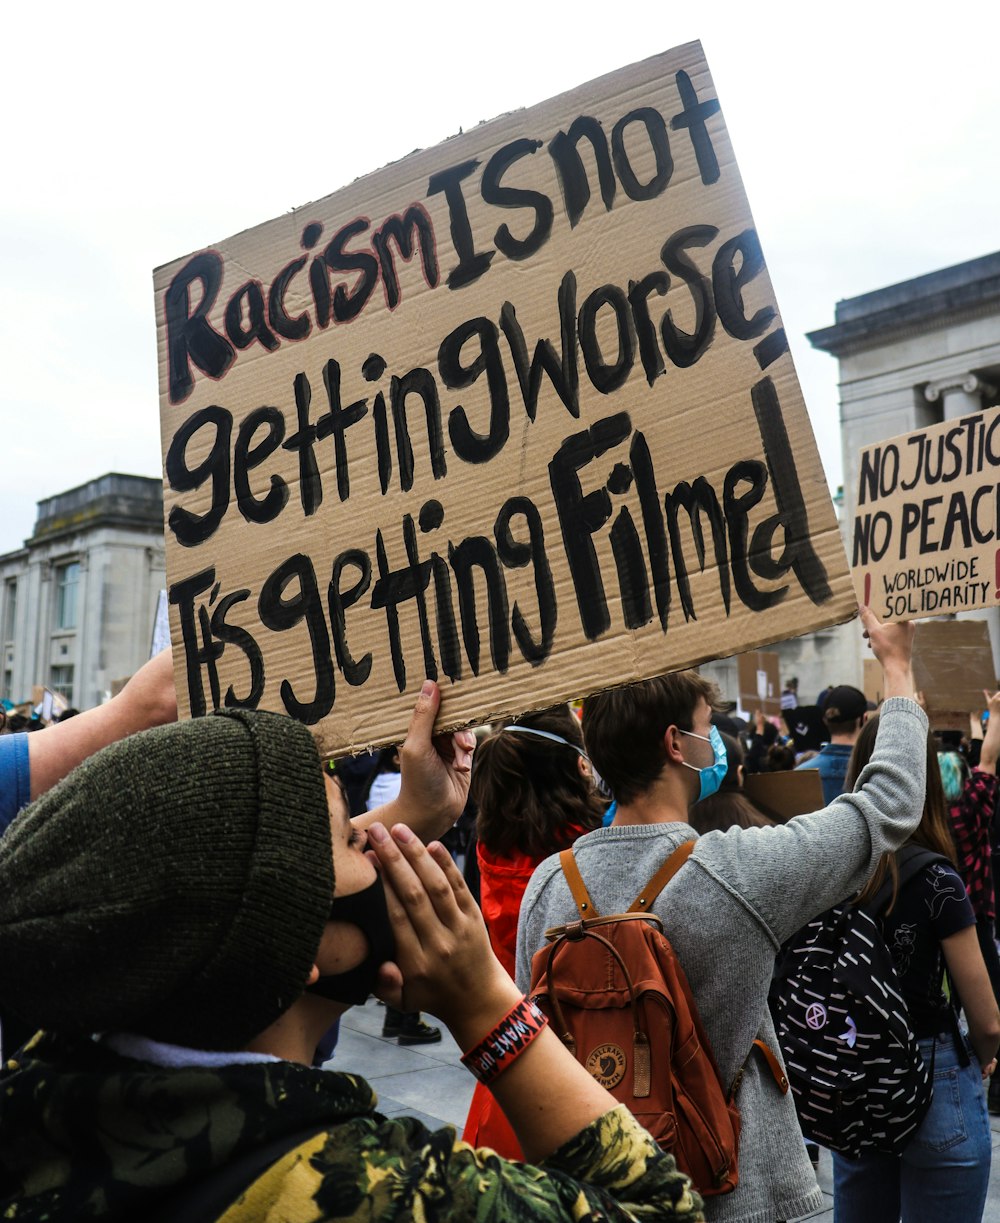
(175, 885)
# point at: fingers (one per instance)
(463, 897)
(464, 744)
(421, 729)
(456, 749)
(389, 986)
(406, 937)
(420, 884)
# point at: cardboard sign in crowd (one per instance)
(516, 413)
(758, 682)
(926, 538)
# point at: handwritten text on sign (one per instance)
(927, 520)
(516, 413)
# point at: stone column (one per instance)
(958, 396)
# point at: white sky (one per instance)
(866, 134)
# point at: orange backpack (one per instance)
(615, 993)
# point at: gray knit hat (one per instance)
(174, 885)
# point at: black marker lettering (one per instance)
(249, 456)
(494, 192)
(516, 555)
(471, 263)
(659, 142)
(564, 151)
(469, 445)
(191, 529)
(281, 614)
(191, 338)
(355, 671)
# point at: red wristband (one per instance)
(508, 1040)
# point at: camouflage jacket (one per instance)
(86, 1133)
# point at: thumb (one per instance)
(389, 985)
(421, 728)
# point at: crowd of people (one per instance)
(188, 908)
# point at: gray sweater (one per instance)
(740, 895)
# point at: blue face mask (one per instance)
(710, 778)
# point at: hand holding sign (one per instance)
(436, 770)
(892, 645)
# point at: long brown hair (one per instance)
(934, 829)
(530, 792)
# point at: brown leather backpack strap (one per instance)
(773, 1065)
(644, 901)
(567, 860)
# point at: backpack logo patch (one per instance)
(607, 1064)
(816, 1016)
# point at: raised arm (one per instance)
(789, 874)
(148, 699)
(990, 751)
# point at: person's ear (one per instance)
(584, 766)
(313, 975)
(671, 745)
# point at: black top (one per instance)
(931, 906)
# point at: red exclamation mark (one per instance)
(868, 584)
(996, 565)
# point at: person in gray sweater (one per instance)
(742, 892)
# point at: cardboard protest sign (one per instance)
(781, 796)
(952, 664)
(758, 682)
(926, 537)
(516, 412)
(874, 681)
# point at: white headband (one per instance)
(546, 734)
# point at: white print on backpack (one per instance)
(851, 1035)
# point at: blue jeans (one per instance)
(943, 1175)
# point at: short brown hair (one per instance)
(624, 727)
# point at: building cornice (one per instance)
(964, 292)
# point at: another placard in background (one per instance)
(759, 683)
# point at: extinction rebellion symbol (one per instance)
(607, 1065)
(816, 1016)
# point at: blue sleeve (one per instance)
(15, 778)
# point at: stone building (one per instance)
(78, 601)
(912, 355)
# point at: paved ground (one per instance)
(428, 1082)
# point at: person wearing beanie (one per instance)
(844, 711)
(184, 915)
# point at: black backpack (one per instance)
(855, 1069)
